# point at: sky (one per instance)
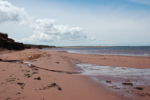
(77, 22)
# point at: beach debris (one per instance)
(52, 85)
(38, 78)
(29, 57)
(30, 65)
(15, 61)
(108, 81)
(21, 85)
(59, 88)
(37, 68)
(57, 71)
(128, 83)
(115, 87)
(139, 88)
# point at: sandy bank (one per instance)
(21, 82)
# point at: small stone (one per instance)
(38, 78)
(139, 88)
(35, 73)
(52, 85)
(107, 81)
(29, 56)
(57, 62)
(30, 65)
(59, 88)
(130, 84)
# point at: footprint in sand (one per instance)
(18, 93)
(22, 85)
(57, 62)
(10, 79)
(28, 75)
(139, 88)
(52, 85)
(34, 73)
(8, 98)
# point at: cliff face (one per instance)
(8, 43)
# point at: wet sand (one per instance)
(54, 77)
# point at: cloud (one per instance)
(46, 30)
(145, 2)
(11, 13)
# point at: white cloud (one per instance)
(47, 30)
(11, 13)
(43, 29)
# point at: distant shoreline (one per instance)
(95, 46)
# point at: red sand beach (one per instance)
(35, 74)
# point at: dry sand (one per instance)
(21, 81)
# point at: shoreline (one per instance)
(126, 55)
(107, 50)
(39, 84)
(120, 61)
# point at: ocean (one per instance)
(109, 50)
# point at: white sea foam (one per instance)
(114, 77)
(122, 72)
